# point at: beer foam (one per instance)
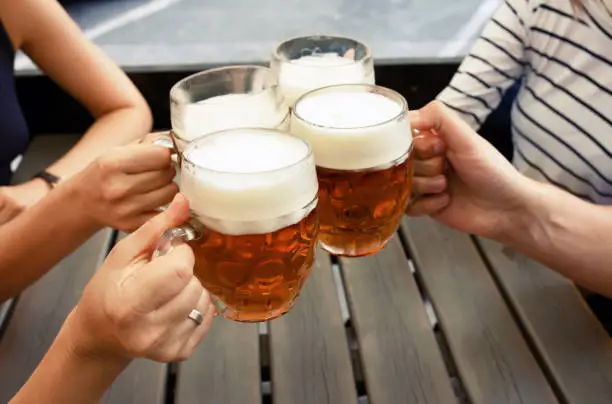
(351, 130)
(247, 181)
(298, 76)
(229, 111)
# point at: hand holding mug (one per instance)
(137, 307)
(125, 187)
(461, 179)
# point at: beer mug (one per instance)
(362, 142)
(253, 228)
(225, 98)
(307, 63)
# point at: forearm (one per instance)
(40, 237)
(567, 234)
(67, 376)
(116, 128)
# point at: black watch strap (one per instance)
(49, 178)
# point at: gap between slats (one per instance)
(451, 367)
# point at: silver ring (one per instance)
(196, 316)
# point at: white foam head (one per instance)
(353, 127)
(298, 76)
(249, 181)
(229, 111)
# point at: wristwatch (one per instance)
(47, 177)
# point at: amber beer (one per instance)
(256, 276)
(253, 196)
(362, 141)
(361, 210)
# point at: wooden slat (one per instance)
(492, 357)
(143, 382)
(42, 309)
(225, 369)
(310, 357)
(401, 360)
(575, 349)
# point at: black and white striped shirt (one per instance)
(562, 116)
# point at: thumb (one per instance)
(146, 237)
(456, 133)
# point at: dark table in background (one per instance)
(503, 329)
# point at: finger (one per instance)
(176, 313)
(145, 238)
(136, 222)
(153, 137)
(453, 130)
(428, 205)
(177, 309)
(138, 158)
(428, 146)
(429, 185)
(154, 199)
(430, 167)
(208, 309)
(151, 180)
(163, 279)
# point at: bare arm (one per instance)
(46, 33)
(35, 241)
(65, 376)
(567, 234)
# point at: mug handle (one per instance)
(165, 139)
(176, 236)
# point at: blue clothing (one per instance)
(14, 136)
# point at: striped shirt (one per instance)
(562, 116)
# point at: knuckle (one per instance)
(183, 271)
(108, 162)
(123, 210)
(436, 105)
(123, 315)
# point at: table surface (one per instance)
(436, 317)
(162, 34)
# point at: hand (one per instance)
(137, 307)
(479, 192)
(9, 206)
(17, 198)
(124, 187)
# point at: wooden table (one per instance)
(436, 317)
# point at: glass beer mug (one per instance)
(310, 62)
(253, 229)
(225, 98)
(362, 143)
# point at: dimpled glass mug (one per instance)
(254, 224)
(226, 98)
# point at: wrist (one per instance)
(84, 348)
(71, 192)
(526, 223)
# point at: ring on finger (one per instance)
(196, 316)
